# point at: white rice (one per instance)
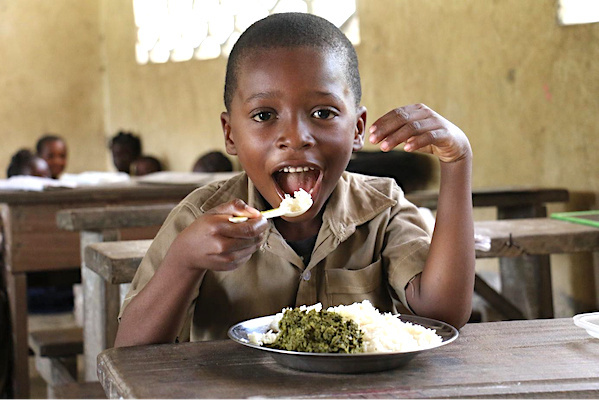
(383, 332)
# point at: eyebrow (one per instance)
(262, 95)
(275, 93)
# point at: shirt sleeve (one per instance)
(183, 215)
(408, 243)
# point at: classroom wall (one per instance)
(51, 78)
(522, 87)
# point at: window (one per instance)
(572, 12)
(181, 30)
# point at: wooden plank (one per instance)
(522, 359)
(84, 390)
(113, 217)
(57, 342)
(102, 194)
(16, 287)
(497, 197)
(116, 262)
(536, 236)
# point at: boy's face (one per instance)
(55, 154)
(122, 156)
(293, 123)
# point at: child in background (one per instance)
(125, 147)
(145, 165)
(53, 149)
(213, 161)
(24, 162)
(293, 117)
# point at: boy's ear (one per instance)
(229, 143)
(360, 130)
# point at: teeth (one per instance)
(296, 169)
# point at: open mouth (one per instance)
(291, 179)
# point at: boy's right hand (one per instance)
(213, 242)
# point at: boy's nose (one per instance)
(296, 135)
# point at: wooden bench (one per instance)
(102, 300)
(117, 262)
(56, 352)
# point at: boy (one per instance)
(53, 149)
(292, 94)
(125, 148)
(145, 165)
(24, 162)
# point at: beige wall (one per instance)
(524, 89)
(50, 78)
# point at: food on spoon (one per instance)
(300, 202)
(311, 329)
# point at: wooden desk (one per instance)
(101, 300)
(33, 242)
(521, 359)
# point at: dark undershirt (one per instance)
(303, 248)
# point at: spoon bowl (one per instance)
(289, 207)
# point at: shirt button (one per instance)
(307, 275)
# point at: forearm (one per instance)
(157, 313)
(444, 290)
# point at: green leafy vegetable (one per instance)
(317, 332)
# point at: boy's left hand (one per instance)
(421, 129)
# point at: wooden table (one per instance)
(33, 242)
(522, 359)
(101, 299)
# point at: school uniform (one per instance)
(372, 242)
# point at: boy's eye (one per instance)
(323, 114)
(262, 116)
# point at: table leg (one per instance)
(526, 280)
(100, 305)
(16, 285)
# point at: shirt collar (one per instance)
(353, 202)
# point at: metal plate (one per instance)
(340, 363)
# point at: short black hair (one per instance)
(151, 161)
(127, 139)
(48, 138)
(21, 163)
(214, 161)
(289, 30)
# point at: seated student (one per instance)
(125, 148)
(24, 162)
(292, 95)
(53, 149)
(213, 161)
(43, 298)
(145, 165)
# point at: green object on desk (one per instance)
(590, 218)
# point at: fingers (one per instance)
(398, 125)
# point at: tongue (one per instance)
(292, 182)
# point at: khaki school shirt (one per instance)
(371, 244)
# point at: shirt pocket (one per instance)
(347, 286)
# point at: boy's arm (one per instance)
(444, 289)
(157, 313)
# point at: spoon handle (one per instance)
(275, 212)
